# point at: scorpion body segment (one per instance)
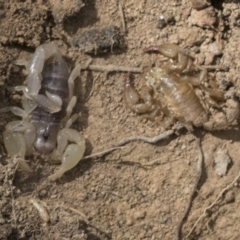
(174, 90)
(46, 115)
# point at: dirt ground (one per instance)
(140, 191)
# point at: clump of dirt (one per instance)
(97, 41)
(204, 18)
(62, 9)
(23, 23)
(200, 4)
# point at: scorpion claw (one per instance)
(182, 62)
(168, 50)
(72, 154)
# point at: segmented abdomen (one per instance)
(55, 80)
(186, 104)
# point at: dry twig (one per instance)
(214, 203)
(120, 8)
(145, 139)
(189, 204)
(217, 67)
(159, 162)
(90, 94)
(10, 182)
(84, 217)
(110, 68)
(99, 154)
(150, 140)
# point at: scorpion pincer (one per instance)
(47, 103)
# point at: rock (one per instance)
(62, 9)
(200, 4)
(97, 41)
(205, 18)
(221, 162)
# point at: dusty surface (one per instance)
(120, 196)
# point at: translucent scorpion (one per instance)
(173, 90)
(46, 115)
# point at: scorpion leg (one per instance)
(28, 104)
(69, 109)
(15, 110)
(72, 99)
(221, 120)
(70, 154)
(213, 96)
(74, 74)
(184, 62)
(22, 62)
(233, 110)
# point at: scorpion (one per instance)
(174, 91)
(47, 103)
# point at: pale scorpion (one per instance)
(46, 115)
(173, 90)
